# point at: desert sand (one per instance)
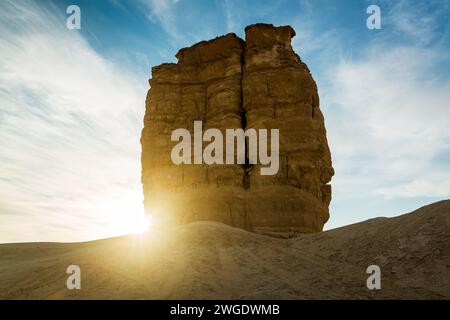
(207, 260)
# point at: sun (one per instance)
(123, 214)
(143, 224)
(129, 219)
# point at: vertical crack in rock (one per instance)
(229, 83)
(247, 166)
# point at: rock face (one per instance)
(229, 83)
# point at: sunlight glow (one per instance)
(143, 225)
(120, 213)
(127, 217)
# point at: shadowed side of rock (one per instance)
(279, 92)
(229, 83)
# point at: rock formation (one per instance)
(230, 83)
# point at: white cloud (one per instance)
(162, 12)
(389, 123)
(70, 120)
(415, 20)
(230, 16)
(437, 187)
(69, 131)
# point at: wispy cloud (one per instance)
(416, 20)
(162, 12)
(69, 132)
(397, 100)
(70, 119)
(230, 16)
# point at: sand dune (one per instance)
(207, 260)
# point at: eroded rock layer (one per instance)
(228, 83)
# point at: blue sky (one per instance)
(72, 102)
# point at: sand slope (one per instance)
(207, 260)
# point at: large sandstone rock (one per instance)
(229, 83)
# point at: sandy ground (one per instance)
(207, 260)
